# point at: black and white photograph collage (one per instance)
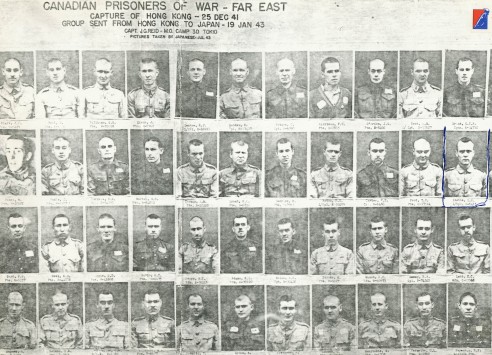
(193, 201)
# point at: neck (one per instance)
(149, 86)
(287, 85)
(108, 160)
(286, 166)
(329, 87)
(419, 84)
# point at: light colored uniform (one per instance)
(375, 258)
(63, 179)
(65, 333)
(101, 334)
(240, 181)
(421, 181)
(108, 178)
(327, 182)
(19, 183)
(153, 103)
(469, 259)
(17, 334)
(194, 259)
(196, 182)
(104, 102)
(422, 259)
(420, 333)
(59, 102)
(242, 102)
(64, 256)
(459, 182)
(153, 333)
(17, 103)
(292, 337)
(198, 336)
(336, 336)
(420, 102)
(374, 334)
(336, 260)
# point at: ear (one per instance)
(28, 156)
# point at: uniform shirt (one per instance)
(292, 337)
(197, 100)
(320, 105)
(244, 102)
(198, 182)
(469, 259)
(59, 102)
(19, 183)
(104, 102)
(153, 254)
(108, 178)
(286, 103)
(420, 102)
(63, 178)
(287, 259)
(149, 103)
(416, 180)
(468, 332)
(332, 260)
(103, 334)
(285, 182)
(240, 181)
(379, 333)
(376, 101)
(198, 336)
(241, 256)
(459, 182)
(107, 257)
(198, 259)
(331, 182)
(422, 259)
(420, 333)
(64, 255)
(18, 102)
(464, 101)
(152, 179)
(64, 333)
(377, 181)
(17, 334)
(336, 336)
(239, 335)
(153, 333)
(18, 256)
(375, 258)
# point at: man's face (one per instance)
(424, 230)
(17, 227)
(239, 154)
(106, 305)
(195, 155)
(239, 71)
(12, 72)
(376, 71)
(153, 152)
(331, 232)
(378, 231)
(61, 150)
(16, 154)
(286, 232)
(285, 153)
(197, 230)
(332, 308)
(332, 74)
(467, 228)
(467, 307)
(425, 305)
(285, 72)
(196, 71)
(103, 72)
(464, 72)
(56, 72)
(106, 229)
(148, 73)
(106, 149)
(287, 310)
(60, 305)
(243, 308)
(421, 152)
(152, 304)
(61, 226)
(240, 227)
(378, 305)
(465, 153)
(153, 227)
(420, 72)
(196, 307)
(15, 305)
(377, 153)
(332, 153)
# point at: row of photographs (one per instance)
(294, 241)
(250, 318)
(377, 84)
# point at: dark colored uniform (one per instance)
(287, 259)
(321, 107)
(286, 103)
(243, 102)
(108, 179)
(149, 103)
(464, 101)
(241, 256)
(17, 334)
(376, 101)
(285, 182)
(107, 257)
(377, 181)
(18, 256)
(19, 183)
(152, 179)
(153, 254)
(468, 332)
(239, 181)
(292, 337)
(238, 335)
(198, 182)
(421, 333)
(196, 100)
(335, 336)
(153, 333)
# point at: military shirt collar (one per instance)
(63, 166)
(238, 89)
(332, 169)
(288, 326)
(471, 245)
(426, 87)
(381, 167)
(150, 91)
(332, 324)
(291, 89)
(200, 321)
(470, 169)
(336, 91)
(9, 89)
(424, 246)
(14, 321)
(375, 245)
(290, 168)
(66, 241)
(57, 88)
(65, 317)
(245, 167)
(103, 87)
(199, 169)
(332, 247)
(20, 174)
(420, 167)
(152, 240)
(467, 87)
(115, 162)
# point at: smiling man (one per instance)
(18, 177)
(17, 332)
(16, 98)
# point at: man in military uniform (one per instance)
(421, 99)
(376, 100)
(101, 100)
(465, 180)
(241, 254)
(18, 255)
(18, 177)
(197, 335)
(153, 330)
(330, 100)
(285, 180)
(377, 256)
(464, 98)
(378, 331)
(16, 97)
(60, 330)
(63, 253)
(153, 253)
(59, 100)
(332, 258)
(107, 254)
(468, 256)
(153, 177)
(332, 180)
(288, 334)
(106, 332)
(377, 179)
(287, 99)
(196, 179)
(242, 332)
(469, 329)
(16, 331)
(424, 331)
(241, 178)
(65, 176)
(335, 333)
(423, 256)
(149, 100)
(241, 100)
(287, 256)
(107, 176)
(198, 256)
(197, 98)
(421, 177)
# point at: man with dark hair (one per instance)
(149, 100)
(16, 98)
(18, 177)
(17, 332)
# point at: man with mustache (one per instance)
(17, 332)
(16, 98)
(468, 256)
(18, 178)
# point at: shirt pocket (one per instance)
(476, 188)
(387, 101)
(94, 105)
(454, 188)
(206, 259)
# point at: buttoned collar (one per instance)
(63, 242)
(332, 247)
(152, 240)
(333, 92)
(418, 88)
(463, 246)
(199, 245)
(151, 91)
(103, 163)
(381, 167)
(375, 245)
(420, 167)
(103, 322)
(103, 87)
(460, 169)
(63, 166)
(21, 174)
(58, 88)
(66, 318)
(332, 324)
(199, 169)
(285, 169)
(291, 89)
(427, 246)
(238, 89)
(200, 321)
(14, 321)
(288, 326)
(243, 168)
(332, 169)
(466, 87)
(379, 320)
(9, 89)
